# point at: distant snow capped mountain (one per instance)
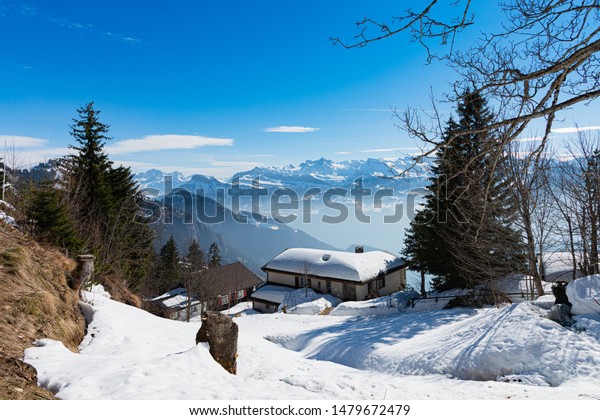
(321, 173)
(155, 180)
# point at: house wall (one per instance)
(362, 292)
(280, 278)
(337, 290)
(394, 282)
(195, 310)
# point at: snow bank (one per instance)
(8, 219)
(307, 302)
(394, 303)
(515, 343)
(584, 295)
(241, 309)
(131, 354)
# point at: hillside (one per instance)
(36, 302)
(252, 243)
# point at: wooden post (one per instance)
(85, 270)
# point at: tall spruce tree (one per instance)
(169, 267)
(87, 168)
(104, 202)
(464, 235)
(214, 255)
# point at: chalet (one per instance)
(227, 285)
(346, 275)
(234, 283)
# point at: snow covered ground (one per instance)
(511, 352)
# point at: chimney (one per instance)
(359, 249)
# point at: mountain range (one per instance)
(256, 242)
(321, 173)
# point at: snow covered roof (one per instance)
(169, 294)
(272, 293)
(179, 301)
(359, 267)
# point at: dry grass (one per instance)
(326, 311)
(35, 302)
(119, 291)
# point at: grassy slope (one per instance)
(35, 302)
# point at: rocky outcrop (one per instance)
(221, 334)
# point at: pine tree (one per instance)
(52, 222)
(214, 255)
(88, 167)
(105, 202)
(195, 256)
(193, 275)
(169, 268)
(464, 235)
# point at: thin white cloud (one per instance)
(343, 153)
(123, 38)
(291, 129)
(395, 149)
(158, 142)
(22, 141)
(138, 166)
(31, 157)
(253, 156)
(571, 130)
(218, 169)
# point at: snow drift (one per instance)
(131, 354)
(584, 295)
(514, 343)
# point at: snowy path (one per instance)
(130, 354)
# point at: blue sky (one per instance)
(210, 87)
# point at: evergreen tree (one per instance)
(105, 202)
(195, 257)
(169, 268)
(51, 217)
(464, 235)
(214, 255)
(193, 275)
(88, 167)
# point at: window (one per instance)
(224, 300)
(381, 282)
(241, 294)
(319, 285)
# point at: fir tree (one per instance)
(169, 268)
(214, 255)
(105, 202)
(88, 167)
(52, 222)
(195, 257)
(464, 236)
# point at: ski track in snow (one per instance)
(131, 354)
